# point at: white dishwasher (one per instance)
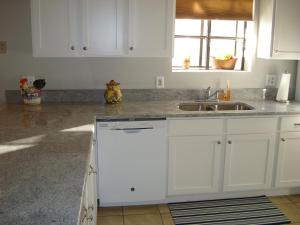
(132, 161)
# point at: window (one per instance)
(200, 40)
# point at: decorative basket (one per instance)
(32, 99)
(224, 64)
(31, 93)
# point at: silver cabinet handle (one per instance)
(92, 170)
(90, 218)
(84, 217)
(283, 139)
(230, 142)
(90, 212)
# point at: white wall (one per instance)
(94, 73)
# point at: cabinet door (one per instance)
(150, 28)
(287, 29)
(54, 25)
(103, 25)
(249, 162)
(288, 166)
(194, 164)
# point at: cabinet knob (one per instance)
(283, 139)
(230, 142)
(72, 47)
(276, 51)
(131, 48)
(84, 48)
(132, 189)
(219, 142)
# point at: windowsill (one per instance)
(197, 70)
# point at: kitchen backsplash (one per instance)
(13, 96)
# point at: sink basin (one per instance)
(221, 106)
(195, 107)
(232, 106)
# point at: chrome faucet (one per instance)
(209, 95)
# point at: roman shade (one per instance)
(215, 9)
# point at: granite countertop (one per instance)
(170, 109)
(44, 153)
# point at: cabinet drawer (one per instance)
(290, 123)
(251, 125)
(195, 127)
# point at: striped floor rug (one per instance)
(239, 211)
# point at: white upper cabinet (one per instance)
(150, 28)
(100, 28)
(103, 26)
(53, 32)
(279, 29)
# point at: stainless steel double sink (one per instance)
(214, 106)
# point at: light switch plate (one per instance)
(160, 82)
(3, 47)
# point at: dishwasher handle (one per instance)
(137, 129)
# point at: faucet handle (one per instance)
(208, 90)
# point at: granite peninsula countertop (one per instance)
(44, 153)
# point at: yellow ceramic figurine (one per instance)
(113, 92)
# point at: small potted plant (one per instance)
(32, 94)
(187, 63)
(226, 63)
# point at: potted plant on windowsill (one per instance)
(226, 63)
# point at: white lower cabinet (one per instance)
(194, 164)
(248, 162)
(288, 167)
(201, 161)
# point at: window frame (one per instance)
(208, 39)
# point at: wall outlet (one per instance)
(3, 47)
(160, 82)
(271, 80)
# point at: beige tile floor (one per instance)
(160, 214)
